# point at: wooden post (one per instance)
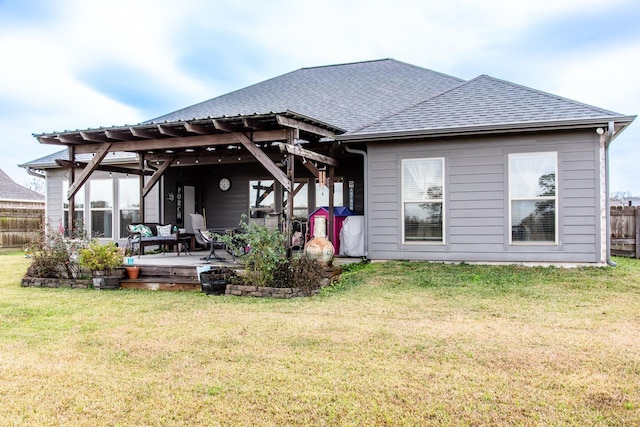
(291, 159)
(330, 226)
(637, 223)
(72, 201)
(141, 185)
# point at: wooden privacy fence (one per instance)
(20, 226)
(625, 231)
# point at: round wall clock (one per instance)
(224, 184)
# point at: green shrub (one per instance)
(267, 249)
(99, 257)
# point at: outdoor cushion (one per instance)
(142, 229)
(164, 230)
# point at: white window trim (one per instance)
(554, 198)
(403, 201)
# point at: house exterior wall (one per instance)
(224, 208)
(476, 199)
(54, 198)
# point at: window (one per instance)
(322, 193)
(78, 212)
(422, 200)
(128, 203)
(533, 196)
(300, 199)
(261, 198)
(101, 195)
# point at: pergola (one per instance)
(265, 137)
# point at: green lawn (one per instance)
(393, 344)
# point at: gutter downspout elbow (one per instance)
(366, 191)
(607, 143)
(33, 172)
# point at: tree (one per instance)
(35, 184)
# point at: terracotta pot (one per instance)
(320, 249)
(132, 272)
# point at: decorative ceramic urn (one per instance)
(320, 248)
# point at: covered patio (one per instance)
(198, 153)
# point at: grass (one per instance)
(392, 344)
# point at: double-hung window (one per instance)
(78, 209)
(533, 197)
(423, 200)
(101, 198)
(128, 204)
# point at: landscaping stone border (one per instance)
(39, 282)
(269, 292)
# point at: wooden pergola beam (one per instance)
(156, 175)
(252, 124)
(264, 160)
(166, 130)
(193, 128)
(307, 127)
(182, 142)
(66, 140)
(106, 168)
(119, 135)
(86, 172)
(93, 137)
(311, 168)
(142, 133)
(223, 126)
(308, 154)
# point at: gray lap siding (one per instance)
(476, 201)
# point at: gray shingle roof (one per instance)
(486, 101)
(9, 190)
(50, 160)
(348, 96)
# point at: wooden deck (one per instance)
(173, 272)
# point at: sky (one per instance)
(78, 64)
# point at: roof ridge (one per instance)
(550, 95)
(151, 121)
(463, 83)
(347, 63)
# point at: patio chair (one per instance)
(205, 238)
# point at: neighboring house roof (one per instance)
(50, 160)
(488, 103)
(9, 190)
(348, 96)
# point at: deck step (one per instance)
(168, 271)
(161, 284)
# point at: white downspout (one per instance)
(366, 191)
(607, 142)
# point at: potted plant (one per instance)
(104, 261)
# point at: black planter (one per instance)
(215, 282)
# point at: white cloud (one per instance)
(47, 65)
